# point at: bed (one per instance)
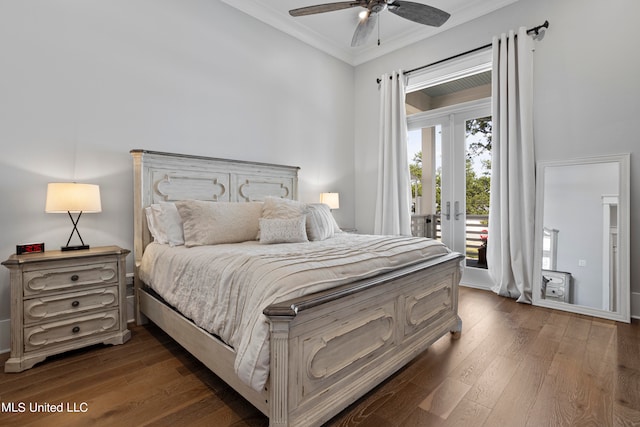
(326, 348)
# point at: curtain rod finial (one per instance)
(538, 31)
(378, 80)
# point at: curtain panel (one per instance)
(511, 212)
(393, 201)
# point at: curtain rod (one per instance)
(535, 30)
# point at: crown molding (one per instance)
(264, 11)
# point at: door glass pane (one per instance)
(425, 165)
(478, 180)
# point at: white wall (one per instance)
(587, 96)
(83, 82)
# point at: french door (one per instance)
(456, 168)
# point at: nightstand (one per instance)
(62, 301)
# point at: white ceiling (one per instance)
(331, 32)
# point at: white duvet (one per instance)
(224, 288)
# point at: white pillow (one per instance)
(283, 230)
(212, 223)
(277, 207)
(165, 224)
(320, 222)
(156, 233)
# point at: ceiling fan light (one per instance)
(363, 15)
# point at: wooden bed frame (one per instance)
(326, 349)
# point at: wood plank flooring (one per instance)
(515, 365)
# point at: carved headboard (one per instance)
(165, 177)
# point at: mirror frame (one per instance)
(623, 313)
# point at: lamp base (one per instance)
(74, 248)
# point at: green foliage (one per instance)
(477, 191)
(482, 126)
(477, 186)
(415, 171)
(439, 190)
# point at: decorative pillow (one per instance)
(320, 222)
(283, 230)
(276, 207)
(212, 223)
(165, 224)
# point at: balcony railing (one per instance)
(476, 226)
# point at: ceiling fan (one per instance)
(416, 12)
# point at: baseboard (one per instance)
(475, 286)
(635, 305)
(130, 314)
(131, 317)
(5, 336)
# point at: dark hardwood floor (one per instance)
(515, 365)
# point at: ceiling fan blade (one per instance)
(364, 29)
(327, 7)
(420, 13)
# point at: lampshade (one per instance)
(331, 199)
(65, 197)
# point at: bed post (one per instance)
(138, 230)
(279, 370)
(456, 332)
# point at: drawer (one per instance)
(557, 293)
(64, 278)
(46, 308)
(66, 331)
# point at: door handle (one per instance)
(447, 212)
(457, 210)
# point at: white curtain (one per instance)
(393, 202)
(511, 212)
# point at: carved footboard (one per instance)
(328, 351)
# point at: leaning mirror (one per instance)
(582, 236)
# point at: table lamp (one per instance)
(331, 199)
(71, 197)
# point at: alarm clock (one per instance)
(30, 248)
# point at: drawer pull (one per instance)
(75, 303)
(75, 278)
(75, 329)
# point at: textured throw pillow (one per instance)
(276, 207)
(165, 224)
(211, 223)
(320, 222)
(283, 230)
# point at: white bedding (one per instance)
(224, 288)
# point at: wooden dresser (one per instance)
(65, 300)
